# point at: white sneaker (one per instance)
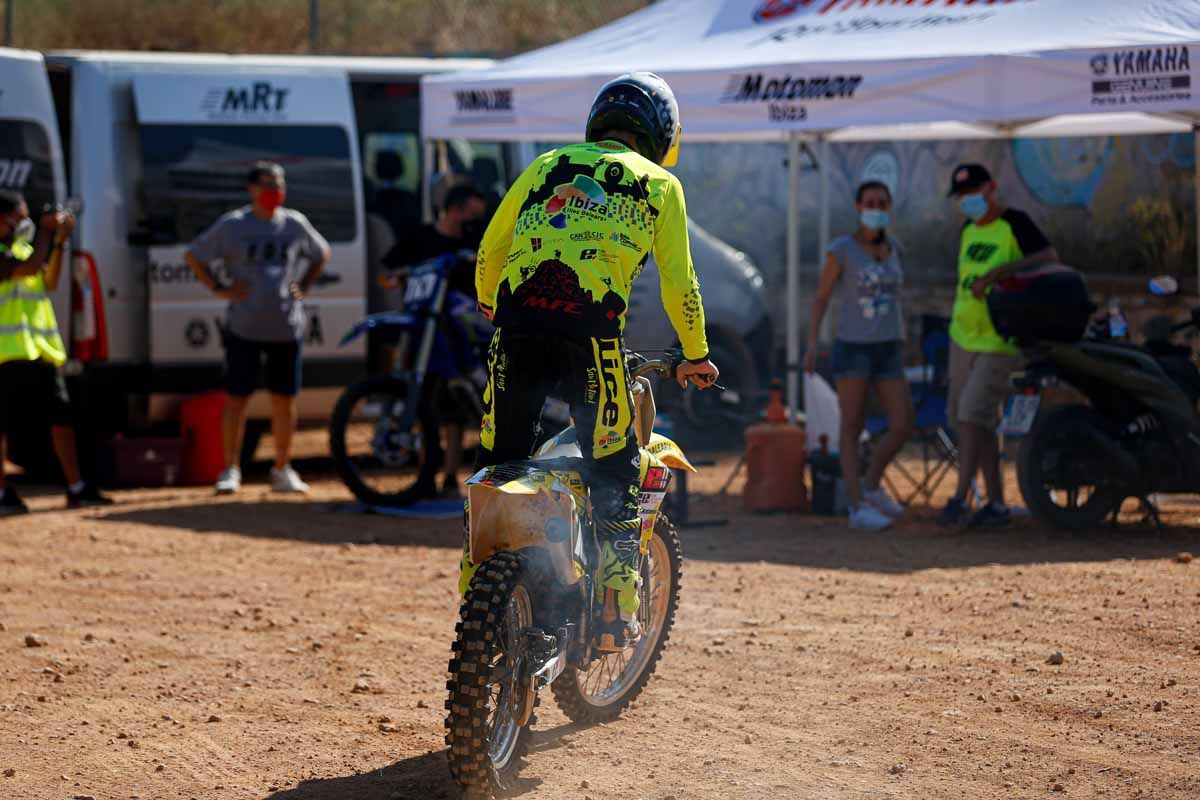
(866, 518)
(286, 480)
(230, 480)
(881, 501)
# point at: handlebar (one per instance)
(640, 366)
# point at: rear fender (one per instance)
(390, 321)
(513, 509)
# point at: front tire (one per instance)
(1064, 481)
(612, 681)
(361, 417)
(485, 735)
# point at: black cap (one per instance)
(968, 176)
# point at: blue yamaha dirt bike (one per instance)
(385, 430)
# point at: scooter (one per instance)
(1137, 435)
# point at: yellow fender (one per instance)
(668, 453)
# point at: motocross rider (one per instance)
(554, 273)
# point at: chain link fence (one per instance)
(348, 27)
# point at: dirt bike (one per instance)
(384, 432)
(526, 619)
(1138, 434)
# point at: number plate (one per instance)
(1019, 414)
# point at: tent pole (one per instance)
(793, 275)
(823, 243)
(823, 153)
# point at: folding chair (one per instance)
(931, 429)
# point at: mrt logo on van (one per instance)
(260, 97)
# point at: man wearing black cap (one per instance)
(997, 242)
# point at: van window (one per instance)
(192, 174)
(25, 162)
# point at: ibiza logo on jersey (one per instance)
(581, 195)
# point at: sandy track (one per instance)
(807, 661)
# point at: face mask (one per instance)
(874, 219)
(973, 206)
(271, 199)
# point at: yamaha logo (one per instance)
(1099, 64)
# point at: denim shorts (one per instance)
(872, 361)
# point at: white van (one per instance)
(156, 146)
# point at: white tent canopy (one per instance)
(853, 70)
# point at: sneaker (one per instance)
(286, 480)
(87, 497)
(880, 500)
(953, 514)
(991, 516)
(867, 518)
(11, 503)
(230, 481)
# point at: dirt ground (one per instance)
(197, 647)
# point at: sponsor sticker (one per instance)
(1141, 76)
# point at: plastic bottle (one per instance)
(1118, 325)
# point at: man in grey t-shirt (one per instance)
(272, 256)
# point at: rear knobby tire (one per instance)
(1060, 437)
(573, 688)
(475, 768)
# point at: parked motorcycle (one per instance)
(384, 433)
(1137, 435)
(525, 623)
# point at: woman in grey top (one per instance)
(863, 277)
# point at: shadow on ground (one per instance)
(917, 543)
(794, 539)
(417, 778)
(317, 523)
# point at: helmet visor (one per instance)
(672, 156)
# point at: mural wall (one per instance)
(1119, 208)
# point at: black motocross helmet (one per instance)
(642, 105)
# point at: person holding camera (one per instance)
(262, 246)
(31, 350)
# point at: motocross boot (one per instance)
(617, 585)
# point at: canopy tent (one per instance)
(853, 70)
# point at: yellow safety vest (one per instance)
(28, 329)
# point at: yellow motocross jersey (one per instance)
(571, 236)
